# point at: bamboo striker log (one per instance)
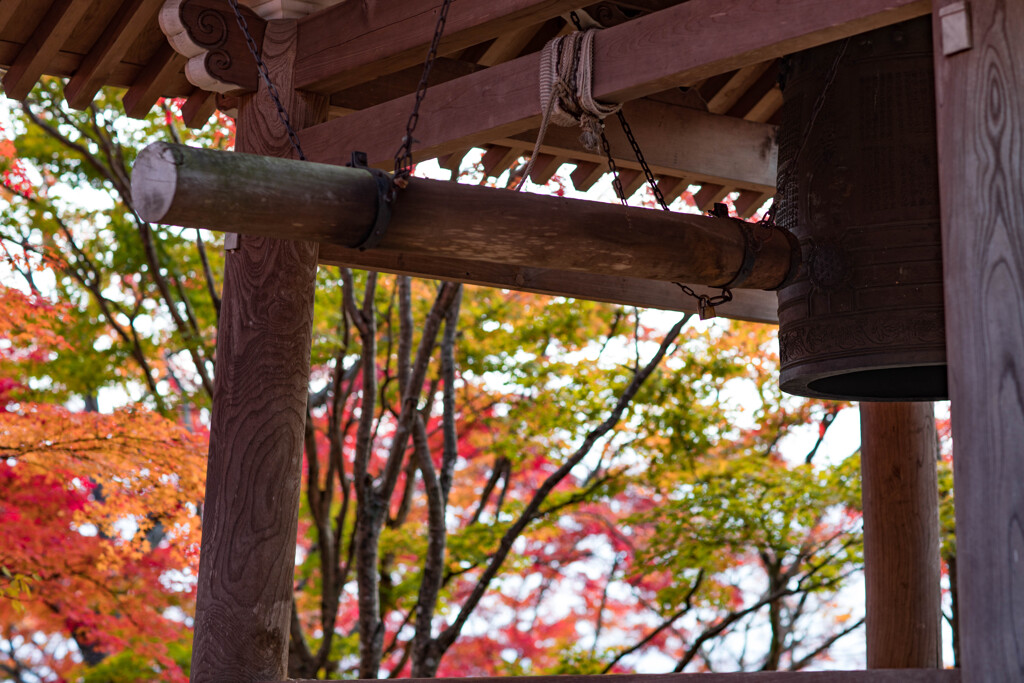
(282, 198)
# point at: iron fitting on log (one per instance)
(858, 185)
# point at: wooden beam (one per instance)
(545, 167)
(498, 159)
(766, 107)
(672, 188)
(7, 10)
(708, 194)
(631, 179)
(754, 305)
(94, 72)
(900, 495)
(246, 564)
(875, 676)
(199, 107)
(507, 46)
(586, 174)
(733, 90)
(677, 46)
(749, 202)
(281, 198)
(45, 42)
(149, 84)
(980, 102)
(353, 42)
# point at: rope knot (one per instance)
(566, 85)
(566, 91)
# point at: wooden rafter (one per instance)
(109, 50)
(678, 141)
(353, 42)
(675, 46)
(44, 44)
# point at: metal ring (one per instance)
(749, 256)
(795, 259)
(385, 201)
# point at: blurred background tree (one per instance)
(495, 482)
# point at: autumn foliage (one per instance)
(540, 485)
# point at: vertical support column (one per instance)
(247, 559)
(900, 495)
(979, 73)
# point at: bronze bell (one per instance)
(859, 187)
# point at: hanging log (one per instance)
(281, 198)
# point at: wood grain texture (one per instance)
(277, 198)
(747, 304)
(108, 51)
(45, 42)
(901, 535)
(7, 11)
(253, 474)
(875, 676)
(980, 101)
(152, 81)
(677, 46)
(354, 42)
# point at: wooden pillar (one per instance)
(901, 535)
(247, 559)
(979, 72)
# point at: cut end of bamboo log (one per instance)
(155, 180)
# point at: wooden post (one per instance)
(979, 73)
(900, 496)
(250, 518)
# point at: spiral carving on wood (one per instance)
(207, 32)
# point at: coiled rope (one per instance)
(566, 92)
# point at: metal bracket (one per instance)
(795, 259)
(385, 201)
(955, 20)
(749, 247)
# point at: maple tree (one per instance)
(494, 482)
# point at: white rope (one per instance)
(566, 92)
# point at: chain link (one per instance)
(642, 161)
(282, 113)
(613, 169)
(705, 303)
(403, 157)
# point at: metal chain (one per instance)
(766, 226)
(613, 169)
(282, 113)
(642, 161)
(403, 157)
(706, 304)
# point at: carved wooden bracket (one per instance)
(207, 32)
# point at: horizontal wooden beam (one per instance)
(281, 198)
(652, 53)
(753, 305)
(678, 141)
(873, 676)
(354, 42)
